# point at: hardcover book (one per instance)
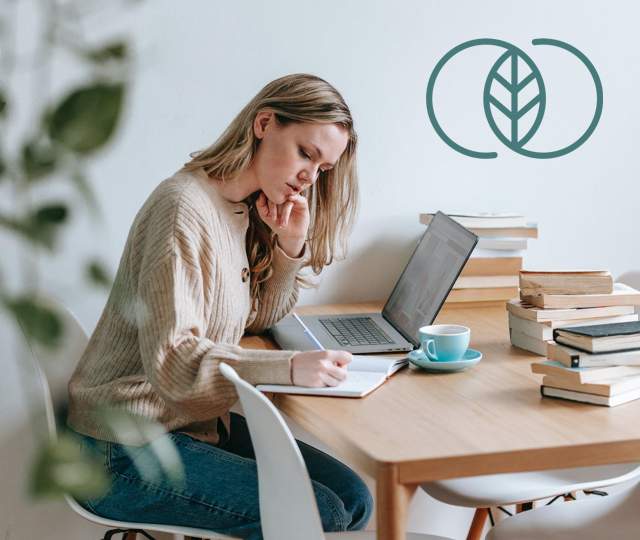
(600, 338)
(544, 330)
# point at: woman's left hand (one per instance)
(290, 221)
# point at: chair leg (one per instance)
(477, 524)
(131, 535)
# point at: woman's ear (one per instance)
(262, 121)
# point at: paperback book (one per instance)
(527, 311)
(584, 397)
(583, 375)
(534, 282)
(622, 295)
(574, 358)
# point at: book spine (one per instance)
(485, 282)
(532, 284)
(506, 266)
(569, 301)
(482, 295)
(563, 355)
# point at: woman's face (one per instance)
(290, 157)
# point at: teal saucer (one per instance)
(470, 358)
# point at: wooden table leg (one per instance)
(393, 500)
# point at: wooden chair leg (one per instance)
(131, 535)
(477, 524)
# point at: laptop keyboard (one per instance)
(355, 331)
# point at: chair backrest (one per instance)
(631, 278)
(53, 367)
(288, 509)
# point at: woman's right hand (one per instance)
(319, 368)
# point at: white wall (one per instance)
(199, 62)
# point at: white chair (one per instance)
(288, 509)
(497, 490)
(57, 368)
(631, 278)
(283, 516)
(615, 516)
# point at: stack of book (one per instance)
(552, 300)
(597, 364)
(491, 274)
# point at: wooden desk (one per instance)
(421, 426)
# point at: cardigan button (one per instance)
(245, 275)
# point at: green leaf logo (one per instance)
(515, 86)
(514, 108)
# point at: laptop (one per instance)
(415, 301)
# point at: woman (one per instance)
(215, 251)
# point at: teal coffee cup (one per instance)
(444, 342)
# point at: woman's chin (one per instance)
(278, 197)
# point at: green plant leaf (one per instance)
(50, 214)
(41, 226)
(161, 459)
(13, 224)
(117, 50)
(38, 321)
(4, 107)
(83, 186)
(44, 223)
(98, 274)
(39, 159)
(43, 237)
(86, 119)
(61, 467)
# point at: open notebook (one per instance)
(364, 375)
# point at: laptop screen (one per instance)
(429, 275)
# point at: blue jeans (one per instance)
(219, 491)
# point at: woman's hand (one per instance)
(290, 221)
(319, 368)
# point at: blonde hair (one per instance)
(332, 198)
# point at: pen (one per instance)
(313, 338)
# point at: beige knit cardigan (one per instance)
(179, 306)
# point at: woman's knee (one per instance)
(359, 505)
(349, 511)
